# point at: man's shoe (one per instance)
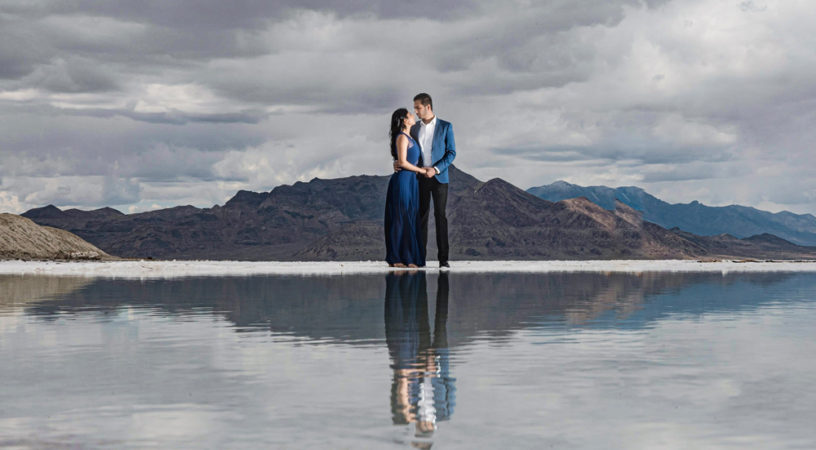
(444, 265)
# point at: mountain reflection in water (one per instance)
(347, 309)
(588, 360)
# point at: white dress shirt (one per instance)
(426, 133)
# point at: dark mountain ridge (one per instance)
(342, 219)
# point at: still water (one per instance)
(583, 360)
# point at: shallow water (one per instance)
(582, 360)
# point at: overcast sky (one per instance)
(146, 104)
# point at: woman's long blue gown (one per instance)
(401, 209)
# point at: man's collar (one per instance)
(433, 121)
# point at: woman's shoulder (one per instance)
(406, 136)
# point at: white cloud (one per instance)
(10, 203)
(69, 191)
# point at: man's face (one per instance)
(422, 111)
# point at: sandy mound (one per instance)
(20, 238)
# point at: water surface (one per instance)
(570, 360)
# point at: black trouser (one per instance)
(430, 187)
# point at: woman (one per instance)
(402, 201)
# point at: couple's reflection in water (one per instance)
(422, 390)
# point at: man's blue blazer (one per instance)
(444, 147)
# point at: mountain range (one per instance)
(342, 219)
(694, 217)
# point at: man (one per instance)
(438, 149)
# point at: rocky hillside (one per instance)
(342, 219)
(21, 238)
(694, 217)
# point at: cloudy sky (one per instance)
(145, 104)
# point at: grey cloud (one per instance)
(684, 172)
(172, 117)
(208, 13)
(637, 153)
(752, 6)
(533, 41)
(78, 192)
(351, 100)
(503, 83)
(14, 63)
(72, 75)
(42, 129)
(43, 145)
(163, 164)
(20, 50)
(162, 92)
(120, 191)
(177, 34)
(559, 154)
(239, 13)
(154, 45)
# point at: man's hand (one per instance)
(397, 167)
(430, 172)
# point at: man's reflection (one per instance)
(422, 391)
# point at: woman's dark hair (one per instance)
(397, 123)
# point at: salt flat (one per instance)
(172, 269)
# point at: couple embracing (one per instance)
(422, 152)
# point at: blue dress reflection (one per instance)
(422, 391)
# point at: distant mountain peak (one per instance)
(109, 210)
(48, 211)
(497, 181)
(631, 189)
(769, 238)
(249, 198)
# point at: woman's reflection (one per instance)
(422, 392)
